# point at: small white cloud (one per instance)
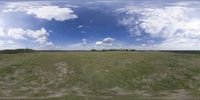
(108, 40)
(84, 41)
(81, 44)
(99, 43)
(83, 32)
(105, 42)
(80, 26)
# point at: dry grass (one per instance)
(101, 74)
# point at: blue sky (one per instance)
(100, 24)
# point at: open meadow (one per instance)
(112, 75)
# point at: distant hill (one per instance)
(16, 51)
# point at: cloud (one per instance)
(171, 44)
(163, 22)
(83, 32)
(108, 40)
(189, 3)
(53, 12)
(19, 34)
(179, 44)
(8, 44)
(84, 44)
(84, 41)
(105, 42)
(42, 11)
(173, 24)
(80, 26)
(81, 44)
(16, 33)
(40, 36)
(2, 33)
(99, 43)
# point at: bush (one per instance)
(93, 50)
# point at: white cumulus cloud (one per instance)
(18, 34)
(105, 42)
(42, 11)
(53, 12)
(99, 43)
(176, 25)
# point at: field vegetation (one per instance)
(113, 75)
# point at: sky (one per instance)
(100, 24)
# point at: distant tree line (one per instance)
(11, 51)
(17, 50)
(113, 50)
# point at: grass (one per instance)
(100, 74)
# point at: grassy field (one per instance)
(99, 75)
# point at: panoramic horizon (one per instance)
(100, 49)
(100, 24)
